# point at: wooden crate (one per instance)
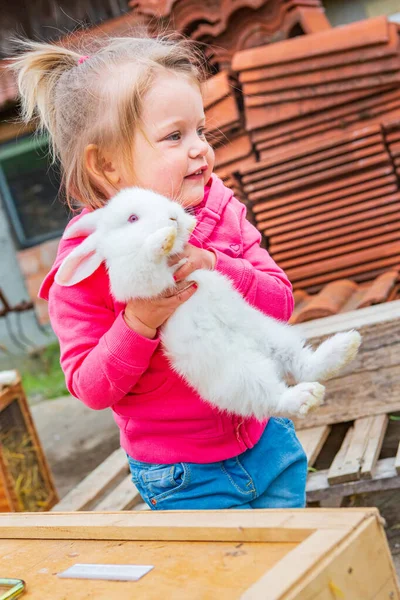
(23, 465)
(271, 555)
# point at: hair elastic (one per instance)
(82, 59)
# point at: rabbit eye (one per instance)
(133, 218)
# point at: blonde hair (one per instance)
(97, 100)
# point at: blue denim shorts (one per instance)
(272, 474)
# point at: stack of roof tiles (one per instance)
(227, 26)
(331, 80)
(330, 208)
(323, 114)
(225, 127)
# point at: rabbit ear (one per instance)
(79, 264)
(84, 226)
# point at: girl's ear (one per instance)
(79, 264)
(84, 226)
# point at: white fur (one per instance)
(233, 355)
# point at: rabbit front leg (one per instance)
(161, 243)
(255, 389)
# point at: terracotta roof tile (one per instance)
(331, 80)
(221, 26)
(371, 32)
(344, 295)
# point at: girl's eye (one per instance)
(201, 132)
(133, 218)
(174, 137)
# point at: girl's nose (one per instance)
(199, 149)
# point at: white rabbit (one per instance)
(232, 354)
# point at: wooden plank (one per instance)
(385, 478)
(283, 525)
(312, 440)
(339, 462)
(124, 497)
(96, 483)
(397, 461)
(359, 567)
(290, 568)
(374, 443)
(359, 451)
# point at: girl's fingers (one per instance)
(173, 260)
(184, 271)
(179, 294)
(185, 293)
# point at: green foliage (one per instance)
(42, 376)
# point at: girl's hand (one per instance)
(146, 315)
(196, 258)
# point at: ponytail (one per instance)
(39, 70)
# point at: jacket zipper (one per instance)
(237, 431)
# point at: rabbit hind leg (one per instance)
(328, 359)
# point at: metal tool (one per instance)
(17, 587)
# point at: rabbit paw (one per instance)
(302, 398)
(341, 349)
(169, 242)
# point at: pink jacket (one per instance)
(106, 364)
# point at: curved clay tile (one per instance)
(342, 296)
(380, 289)
(243, 30)
(329, 301)
(156, 8)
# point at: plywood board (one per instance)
(182, 570)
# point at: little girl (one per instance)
(131, 114)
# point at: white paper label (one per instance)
(108, 572)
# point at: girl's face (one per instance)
(171, 155)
